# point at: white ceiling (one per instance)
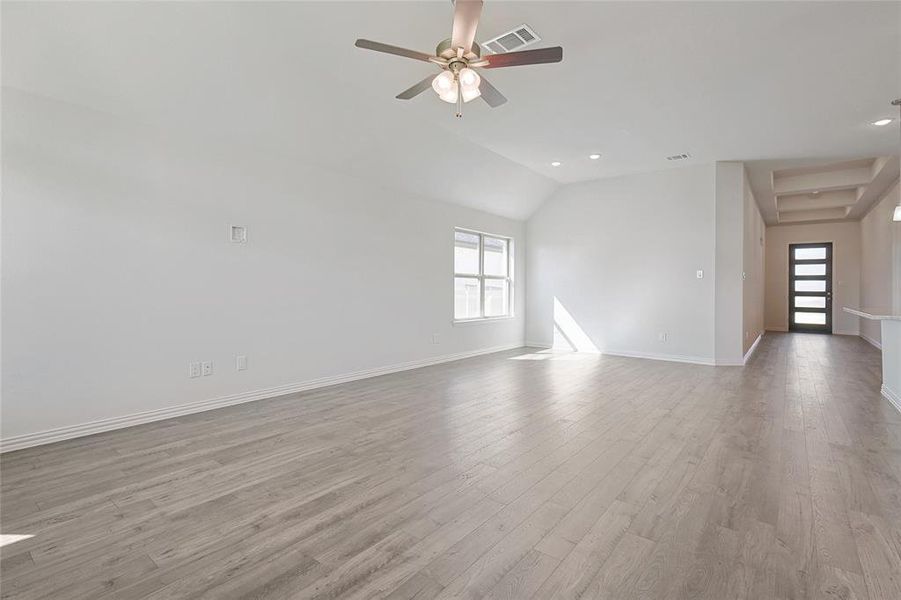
(778, 82)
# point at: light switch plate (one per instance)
(193, 369)
(241, 362)
(699, 274)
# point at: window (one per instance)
(483, 276)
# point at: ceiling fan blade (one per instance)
(388, 49)
(490, 94)
(417, 89)
(524, 57)
(466, 21)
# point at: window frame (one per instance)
(481, 277)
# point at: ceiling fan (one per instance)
(459, 56)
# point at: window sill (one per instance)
(481, 320)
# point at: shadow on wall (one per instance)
(568, 333)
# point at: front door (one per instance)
(810, 287)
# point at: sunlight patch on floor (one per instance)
(555, 354)
(12, 538)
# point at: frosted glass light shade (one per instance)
(445, 85)
(469, 79)
(444, 82)
(451, 96)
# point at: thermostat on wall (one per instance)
(238, 234)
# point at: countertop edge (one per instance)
(871, 316)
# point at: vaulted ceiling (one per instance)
(780, 84)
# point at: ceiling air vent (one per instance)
(515, 39)
(678, 157)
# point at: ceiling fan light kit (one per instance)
(450, 85)
(459, 56)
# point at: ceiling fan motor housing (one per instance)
(444, 50)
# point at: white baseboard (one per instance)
(753, 347)
(543, 345)
(871, 341)
(695, 360)
(74, 431)
(892, 397)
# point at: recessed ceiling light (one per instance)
(594, 156)
(555, 163)
(881, 122)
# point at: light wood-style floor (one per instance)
(514, 476)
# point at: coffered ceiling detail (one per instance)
(830, 192)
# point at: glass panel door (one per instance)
(810, 287)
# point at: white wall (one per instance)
(620, 255)
(876, 272)
(880, 287)
(753, 259)
(730, 185)
(117, 270)
(845, 238)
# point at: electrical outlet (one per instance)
(435, 339)
(206, 367)
(193, 369)
(699, 274)
(662, 337)
(241, 362)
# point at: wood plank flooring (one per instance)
(511, 476)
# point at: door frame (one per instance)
(792, 326)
